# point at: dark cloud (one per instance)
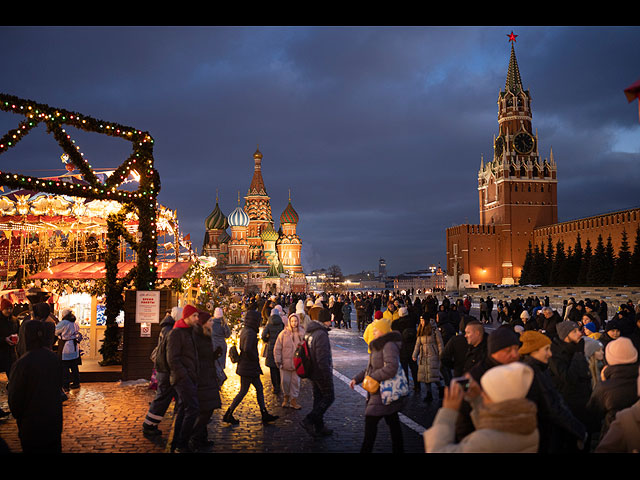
(377, 132)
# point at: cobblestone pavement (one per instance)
(107, 417)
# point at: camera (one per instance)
(464, 382)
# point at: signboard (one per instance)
(148, 306)
(145, 330)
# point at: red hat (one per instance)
(4, 303)
(378, 315)
(188, 310)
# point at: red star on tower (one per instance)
(512, 37)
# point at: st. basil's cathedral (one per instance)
(254, 257)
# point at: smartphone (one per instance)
(464, 382)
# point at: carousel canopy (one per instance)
(96, 270)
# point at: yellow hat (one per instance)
(382, 325)
(532, 340)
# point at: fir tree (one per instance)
(576, 262)
(610, 256)
(558, 267)
(634, 267)
(623, 263)
(538, 270)
(525, 273)
(599, 273)
(585, 263)
(548, 262)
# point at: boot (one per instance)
(429, 397)
(285, 401)
(294, 404)
(267, 417)
(228, 418)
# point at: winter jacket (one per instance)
(618, 390)
(623, 435)
(249, 362)
(8, 326)
(34, 397)
(428, 349)
(475, 354)
(166, 326)
(336, 310)
(182, 355)
(407, 330)
(384, 362)
(321, 359)
(454, 354)
(285, 347)
(503, 427)
(346, 312)
(571, 377)
(69, 337)
(219, 333)
(559, 429)
(208, 387)
(270, 333)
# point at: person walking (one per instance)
(208, 387)
(164, 391)
(34, 392)
(283, 352)
(407, 328)
(346, 313)
(69, 337)
(384, 363)
(220, 331)
(269, 335)
(249, 368)
(427, 351)
(182, 358)
(321, 376)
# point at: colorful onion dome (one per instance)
(269, 234)
(238, 218)
(216, 220)
(289, 215)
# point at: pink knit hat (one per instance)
(620, 352)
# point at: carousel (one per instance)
(54, 245)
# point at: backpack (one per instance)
(302, 359)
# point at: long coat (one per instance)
(182, 355)
(8, 326)
(249, 362)
(428, 350)
(285, 347)
(208, 386)
(35, 400)
(384, 361)
(269, 335)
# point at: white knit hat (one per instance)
(218, 313)
(507, 382)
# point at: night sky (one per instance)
(378, 132)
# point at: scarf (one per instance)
(517, 416)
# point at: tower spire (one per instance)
(514, 82)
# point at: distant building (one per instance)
(429, 280)
(517, 192)
(256, 257)
(382, 269)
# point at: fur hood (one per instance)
(379, 343)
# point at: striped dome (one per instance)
(289, 215)
(238, 218)
(217, 220)
(269, 234)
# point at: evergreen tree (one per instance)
(610, 256)
(548, 262)
(585, 263)
(599, 273)
(576, 262)
(559, 266)
(525, 274)
(634, 267)
(569, 271)
(537, 271)
(623, 263)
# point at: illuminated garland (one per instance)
(143, 201)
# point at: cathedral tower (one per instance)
(289, 245)
(258, 208)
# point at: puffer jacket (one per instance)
(285, 347)
(182, 355)
(619, 390)
(208, 386)
(384, 361)
(249, 362)
(428, 349)
(320, 351)
(270, 333)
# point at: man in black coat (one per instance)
(164, 392)
(35, 384)
(321, 377)
(182, 358)
(8, 339)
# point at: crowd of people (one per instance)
(530, 378)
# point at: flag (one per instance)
(632, 92)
